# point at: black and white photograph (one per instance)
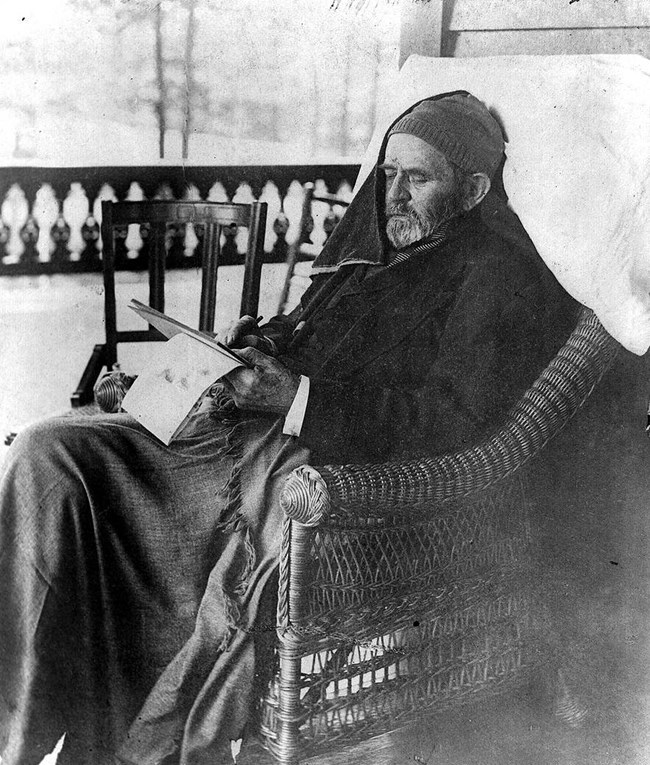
(325, 383)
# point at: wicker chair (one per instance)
(407, 587)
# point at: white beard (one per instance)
(405, 226)
(403, 230)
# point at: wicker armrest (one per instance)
(346, 491)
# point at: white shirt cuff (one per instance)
(296, 414)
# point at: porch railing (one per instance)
(50, 217)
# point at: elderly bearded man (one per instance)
(131, 574)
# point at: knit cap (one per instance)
(459, 126)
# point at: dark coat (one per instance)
(429, 355)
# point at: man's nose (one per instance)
(397, 190)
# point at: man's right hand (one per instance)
(244, 333)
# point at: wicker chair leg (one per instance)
(289, 711)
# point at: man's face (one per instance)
(422, 189)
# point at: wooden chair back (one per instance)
(158, 215)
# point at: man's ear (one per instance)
(478, 185)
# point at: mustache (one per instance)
(400, 210)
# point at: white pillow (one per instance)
(578, 169)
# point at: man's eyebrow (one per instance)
(393, 163)
(428, 172)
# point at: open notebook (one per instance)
(165, 395)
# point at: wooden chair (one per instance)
(296, 250)
(406, 588)
(156, 217)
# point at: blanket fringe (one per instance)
(234, 522)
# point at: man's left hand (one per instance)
(268, 387)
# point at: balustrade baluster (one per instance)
(244, 195)
(191, 245)
(60, 235)
(29, 234)
(141, 262)
(76, 206)
(175, 244)
(130, 258)
(229, 251)
(15, 213)
(60, 250)
(194, 260)
(320, 212)
(105, 192)
(271, 196)
(121, 252)
(45, 212)
(281, 222)
(218, 193)
(293, 209)
(186, 257)
(280, 246)
(90, 233)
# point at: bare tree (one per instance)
(161, 103)
(189, 75)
